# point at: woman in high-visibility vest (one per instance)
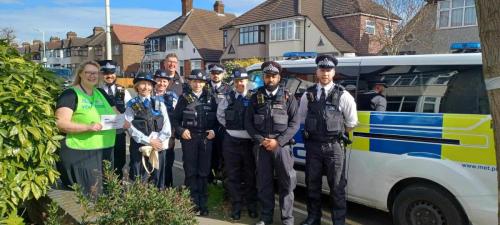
(86, 144)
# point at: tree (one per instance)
(409, 13)
(488, 13)
(8, 34)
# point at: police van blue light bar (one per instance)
(300, 55)
(465, 47)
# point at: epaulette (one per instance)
(189, 97)
(249, 94)
(132, 101)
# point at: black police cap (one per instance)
(108, 66)
(239, 73)
(144, 77)
(161, 74)
(326, 61)
(197, 74)
(271, 67)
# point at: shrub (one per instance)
(230, 65)
(28, 133)
(137, 203)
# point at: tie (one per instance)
(146, 103)
(323, 95)
(240, 98)
(110, 91)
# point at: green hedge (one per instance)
(28, 133)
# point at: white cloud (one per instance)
(56, 21)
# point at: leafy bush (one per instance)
(28, 133)
(137, 203)
(230, 65)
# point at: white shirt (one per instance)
(347, 105)
(273, 93)
(221, 117)
(216, 85)
(139, 137)
(113, 89)
(198, 94)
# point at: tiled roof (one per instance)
(54, 44)
(343, 7)
(79, 42)
(268, 10)
(131, 34)
(98, 39)
(202, 27)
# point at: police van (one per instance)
(428, 159)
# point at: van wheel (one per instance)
(426, 205)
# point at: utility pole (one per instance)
(108, 32)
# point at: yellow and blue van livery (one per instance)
(431, 155)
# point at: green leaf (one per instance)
(35, 131)
(36, 190)
(13, 131)
(13, 219)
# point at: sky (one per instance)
(29, 18)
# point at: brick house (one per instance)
(434, 28)
(278, 26)
(194, 36)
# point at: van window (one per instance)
(429, 89)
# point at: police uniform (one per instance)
(120, 96)
(196, 112)
(149, 119)
(273, 115)
(219, 90)
(327, 110)
(239, 161)
(170, 99)
(372, 100)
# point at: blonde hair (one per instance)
(80, 69)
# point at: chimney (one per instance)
(187, 6)
(219, 7)
(70, 35)
(54, 39)
(98, 30)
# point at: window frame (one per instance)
(284, 30)
(252, 35)
(174, 42)
(367, 26)
(450, 9)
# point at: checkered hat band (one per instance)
(326, 63)
(271, 68)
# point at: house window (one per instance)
(174, 42)
(98, 51)
(252, 35)
(370, 27)
(195, 64)
(457, 13)
(224, 40)
(82, 52)
(285, 30)
(116, 50)
(67, 52)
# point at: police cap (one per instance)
(108, 66)
(144, 77)
(216, 68)
(197, 74)
(326, 62)
(239, 73)
(161, 74)
(271, 67)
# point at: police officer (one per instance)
(329, 111)
(219, 89)
(239, 162)
(170, 100)
(120, 96)
(150, 127)
(373, 100)
(194, 121)
(272, 121)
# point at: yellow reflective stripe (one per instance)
(475, 135)
(362, 143)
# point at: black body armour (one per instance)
(147, 120)
(200, 113)
(119, 98)
(364, 102)
(271, 117)
(235, 111)
(324, 120)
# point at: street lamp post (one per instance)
(44, 58)
(108, 31)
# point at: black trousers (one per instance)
(326, 158)
(217, 158)
(83, 167)
(281, 162)
(137, 170)
(239, 167)
(196, 157)
(120, 154)
(169, 162)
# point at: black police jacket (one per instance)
(147, 119)
(235, 111)
(364, 101)
(195, 114)
(272, 117)
(324, 120)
